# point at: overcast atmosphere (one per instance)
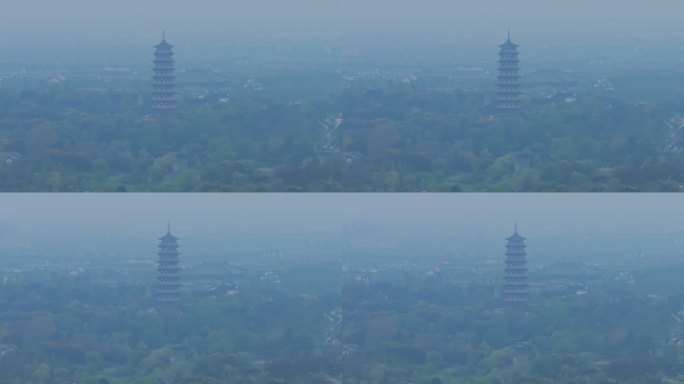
(128, 19)
(558, 224)
(490, 213)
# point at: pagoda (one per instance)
(163, 79)
(508, 80)
(515, 286)
(168, 277)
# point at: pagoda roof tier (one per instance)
(515, 237)
(516, 298)
(164, 59)
(168, 275)
(168, 239)
(508, 54)
(168, 260)
(163, 44)
(173, 279)
(169, 292)
(516, 283)
(516, 274)
(169, 299)
(169, 284)
(515, 268)
(511, 99)
(516, 290)
(515, 250)
(516, 260)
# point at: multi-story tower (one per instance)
(168, 277)
(163, 80)
(515, 286)
(508, 80)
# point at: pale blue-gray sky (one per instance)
(463, 19)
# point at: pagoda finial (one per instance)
(168, 227)
(509, 34)
(515, 229)
(164, 35)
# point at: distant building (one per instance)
(515, 286)
(163, 79)
(508, 79)
(168, 277)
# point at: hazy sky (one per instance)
(128, 225)
(233, 19)
(496, 214)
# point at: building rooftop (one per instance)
(508, 44)
(168, 237)
(163, 45)
(515, 236)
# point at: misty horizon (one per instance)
(128, 21)
(472, 225)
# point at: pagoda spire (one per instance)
(508, 79)
(163, 78)
(168, 290)
(515, 285)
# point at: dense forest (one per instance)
(357, 327)
(394, 136)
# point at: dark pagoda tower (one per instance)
(515, 286)
(508, 80)
(163, 80)
(168, 278)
